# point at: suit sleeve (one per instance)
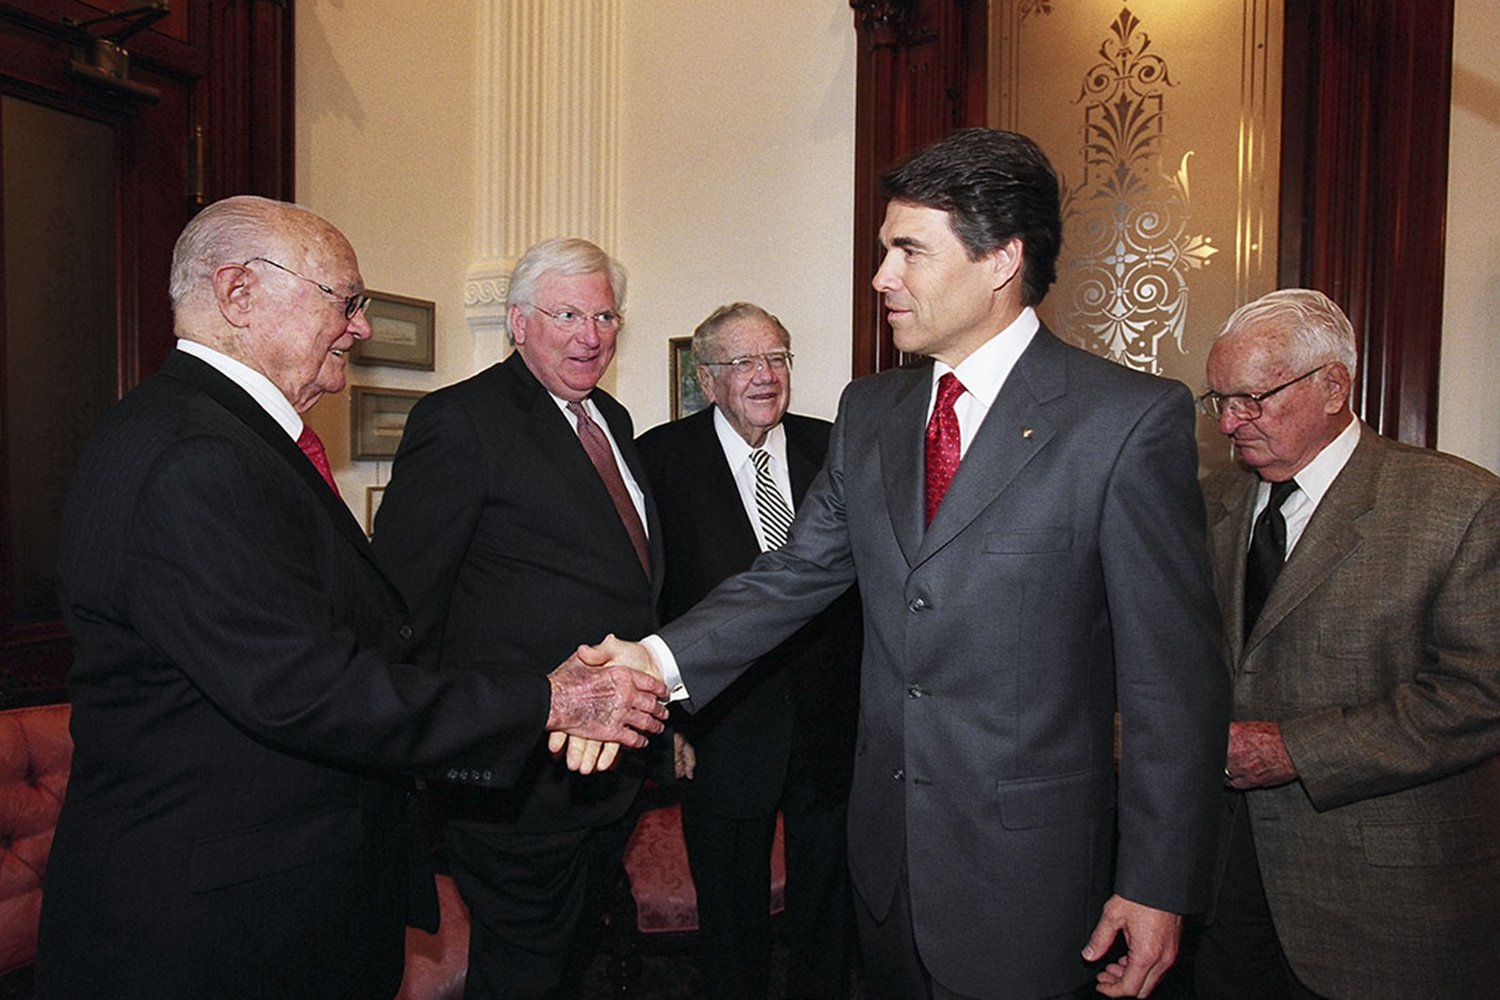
(1172, 684)
(1445, 716)
(751, 613)
(238, 580)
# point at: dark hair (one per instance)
(995, 186)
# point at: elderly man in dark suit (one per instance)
(1026, 527)
(1360, 584)
(239, 682)
(781, 737)
(518, 523)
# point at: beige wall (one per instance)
(1469, 394)
(737, 135)
(737, 153)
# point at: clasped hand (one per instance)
(604, 697)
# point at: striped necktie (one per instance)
(775, 514)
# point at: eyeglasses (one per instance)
(353, 304)
(1246, 405)
(746, 365)
(571, 320)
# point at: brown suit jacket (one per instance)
(1378, 652)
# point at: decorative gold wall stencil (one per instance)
(1132, 102)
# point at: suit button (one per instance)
(452, 774)
(899, 774)
(914, 692)
(405, 631)
(917, 604)
(486, 774)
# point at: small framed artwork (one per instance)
(687, 393)
(401, 333)
(373, 496)
(377, 421)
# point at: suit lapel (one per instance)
(1331, 536)
(1229, 539)
(241, 405)
(720, 491)
(1013, 432)
(900, 437)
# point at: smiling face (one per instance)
(752, 402)
(298, 334)
(939, 302)
(568, 363)
(1296, 423)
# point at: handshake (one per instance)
(604, 697)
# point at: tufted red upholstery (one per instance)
(657, 863)
(35, 753)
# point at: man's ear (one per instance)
(1007, 262)
(706, 382)
(517, 325)
(1336, 377)
(232, 285)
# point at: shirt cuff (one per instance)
(667, 664)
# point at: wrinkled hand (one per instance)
(609, 704)
(1151, 940)
(587, 754)
(684, 758)
(1257, 756)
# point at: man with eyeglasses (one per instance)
(243, 700)
(1360, 585)
(518, 524)
(727, 480)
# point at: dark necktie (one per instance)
(775, 515)
(942, 442)
(312, 447)
(603, 457)
(1267, 552)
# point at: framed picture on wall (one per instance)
(373, 496)
(687, 394)
(377, 420)
(401, 333)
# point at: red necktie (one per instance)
(312, 447)
(603, 457)
(942, 442)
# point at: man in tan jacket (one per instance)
(1360, 585)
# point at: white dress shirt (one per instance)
(737, 453)
(1313, 482)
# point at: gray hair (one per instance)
(230, 231)
(565, 256)
(1316, 329)
(706, 336)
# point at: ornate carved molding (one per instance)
(883, 13)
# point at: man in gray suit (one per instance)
(1060, 576)
(1364, 857)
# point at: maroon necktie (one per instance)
(942, 442)
(312, 447)
(603, 457)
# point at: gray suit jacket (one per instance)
(1378, 652)
(1065, 575)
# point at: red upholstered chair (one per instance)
(35, 754)
(437, 964)
(660, 909)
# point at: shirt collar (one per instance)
(1317, 476)
(737, 450)
(260, 388)
(984, 372)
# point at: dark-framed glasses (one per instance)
(1247, 405)
(748, 364)
(353, 304)
(571, 320)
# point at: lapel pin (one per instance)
(1027, 432)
